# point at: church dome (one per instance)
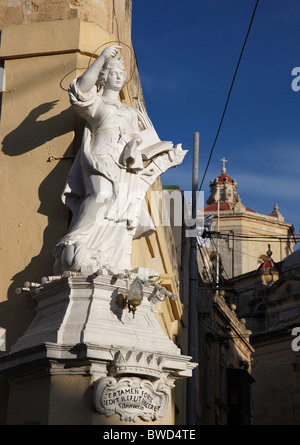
(223, 206)
(214, 207)
(223, 177)
(224, 190)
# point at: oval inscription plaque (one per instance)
(131, 397)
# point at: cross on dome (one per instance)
(223, 160)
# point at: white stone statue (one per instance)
(120, 158)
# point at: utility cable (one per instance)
(259, 238)
(205, 266)
(229, 94)
(222, 274)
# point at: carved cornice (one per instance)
(141, 363)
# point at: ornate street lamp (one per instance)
(133, 298)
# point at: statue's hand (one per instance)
(110, 51)
(131, 157)
(177, 155)
(136, 138)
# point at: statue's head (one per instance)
(113, 74)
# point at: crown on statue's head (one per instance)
(114, 62)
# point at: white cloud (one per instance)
(157, 84)
(269, 186)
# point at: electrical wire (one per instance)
(260, 238)
(256, 240)
(201, 251)
(217, 270)
(229, 94)
(223, 274)
(235, 235)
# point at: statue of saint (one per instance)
(119, 159)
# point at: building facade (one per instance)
(249, 258)
(244, 234)
(225, 362)
(268, 299)
(223, 380)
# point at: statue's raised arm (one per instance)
(90, 77)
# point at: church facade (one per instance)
(241, 235)
(249, 259)
(259, 272)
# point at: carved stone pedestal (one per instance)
(84, 360)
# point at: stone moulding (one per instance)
(82, 309)
(80, 330)
(93, 362)
(140, 363)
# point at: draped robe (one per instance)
(108, 182)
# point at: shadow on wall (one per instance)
(32, 134)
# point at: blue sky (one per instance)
(187, 54)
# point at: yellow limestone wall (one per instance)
(43, 48)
